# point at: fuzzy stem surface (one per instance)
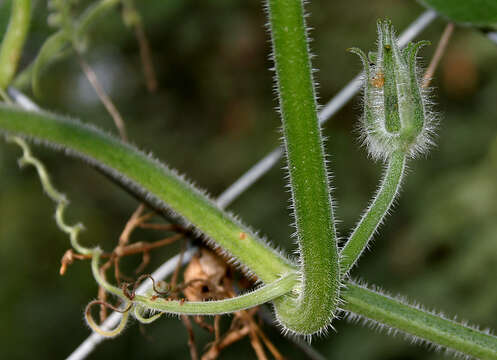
(359, 300)
(412, 320)
(257, 297)
(151, 181)
(312, 310)
(374, 215)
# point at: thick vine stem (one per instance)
(151, 181)
(13, 41)
(417, 324)
(313, 309)
(358, 300)
(374, 215)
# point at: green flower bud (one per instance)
(397, 115)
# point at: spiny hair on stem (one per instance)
(272, 57)
(389, 210)
(416, 340)
(143, 194)
(323, 332)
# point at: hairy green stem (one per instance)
(256, 297)
(259, 296)
(372, 218)
(313, 309)
(363, 302)
(13, 41)
(152, 182)
(384, 310)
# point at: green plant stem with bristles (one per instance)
(261, 295)
(372, 218)
(360, 301)
(158, 186)
(13, 41)
(412, 320)
(152, 182)
(256, 297)
(313, 309)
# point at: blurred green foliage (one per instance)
(481, 13)
(213, 117)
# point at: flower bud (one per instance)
(396, 105)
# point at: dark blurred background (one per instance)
(213, 117)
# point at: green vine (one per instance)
(396, 126)
(314, 308)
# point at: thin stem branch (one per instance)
(132, 18)
(259, 296)
(13, 40)
(374, 215)
(146, 58)
(104, 98)
(441, 47)
(191, 337)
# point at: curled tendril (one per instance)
(59, 198)
(131, 294)
(138, 313)
(97, 328)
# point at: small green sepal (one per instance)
(397, 114)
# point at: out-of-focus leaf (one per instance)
(48, 52)
(481, 13)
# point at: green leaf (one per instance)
(481, 13)
(49, 51)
